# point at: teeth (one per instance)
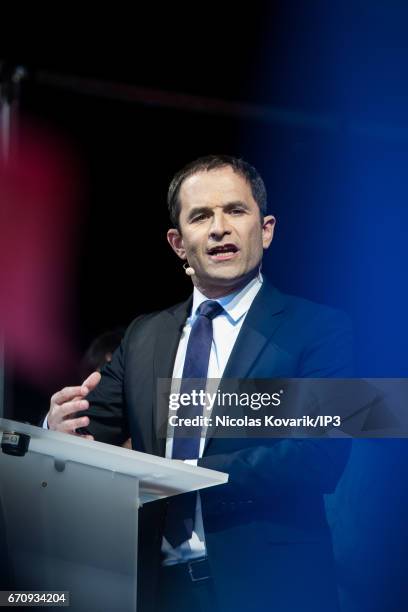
(221, 250)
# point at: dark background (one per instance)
(313, 94)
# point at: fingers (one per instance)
(91, 382)
(67, 394)
(70, 393)
(69, 408)
(85, 436)
(70, 425)
(67, 402)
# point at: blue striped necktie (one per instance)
(186, 440)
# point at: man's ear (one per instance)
(268, 228)
(176, 242)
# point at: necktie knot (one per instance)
(209, 309)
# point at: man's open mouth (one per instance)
(222, 252)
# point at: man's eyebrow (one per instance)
(236, 203)
(197, 210)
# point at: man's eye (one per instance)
(198, 217)
(236, 211)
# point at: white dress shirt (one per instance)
(226, 328)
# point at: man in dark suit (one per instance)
(261, 541)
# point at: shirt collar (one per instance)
(235, 304)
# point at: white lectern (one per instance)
(71, 513)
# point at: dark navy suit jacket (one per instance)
(266, 532)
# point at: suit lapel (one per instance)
(263, 319)
(166, 345)
(261, 322)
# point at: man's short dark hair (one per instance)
(212, 162)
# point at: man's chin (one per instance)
(224, 279)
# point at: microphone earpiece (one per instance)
(188, 269)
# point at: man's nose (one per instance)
(219, 226)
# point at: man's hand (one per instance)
(67, 402)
